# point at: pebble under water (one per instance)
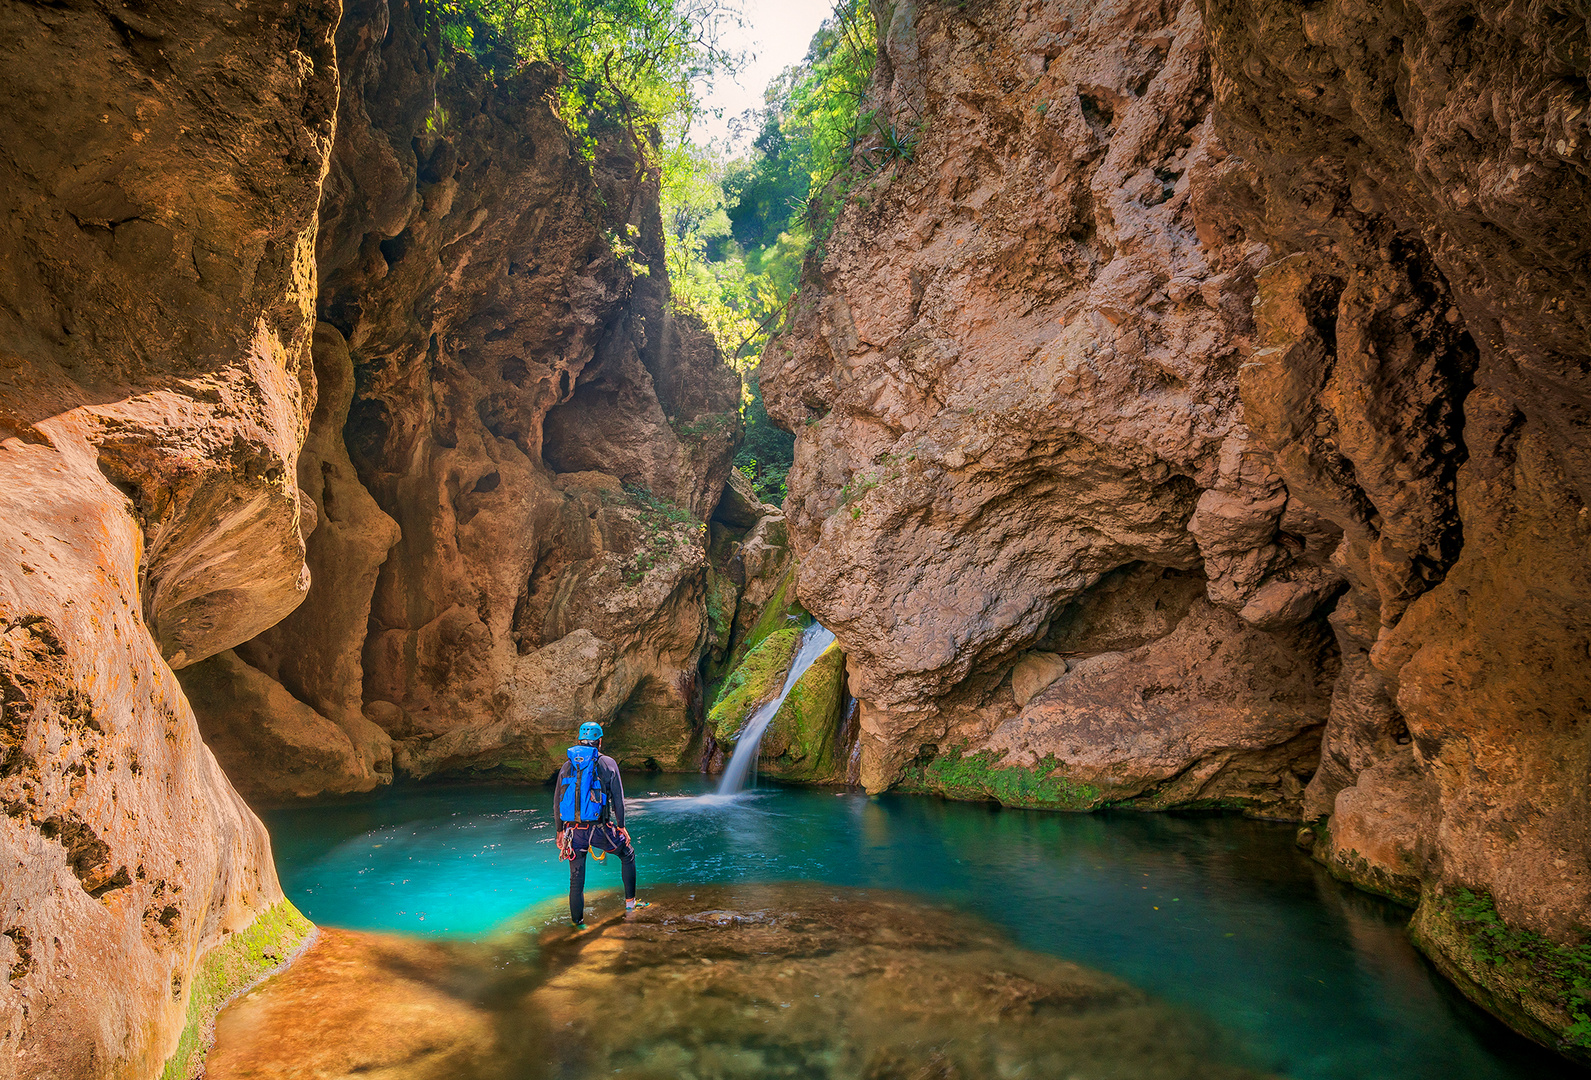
(1220, 916)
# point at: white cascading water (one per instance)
(813, 641)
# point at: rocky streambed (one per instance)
(717, 983)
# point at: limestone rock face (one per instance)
(315, 653)
(271, 745)
(1422, 175)
(1014, 377)
(160, 183)
(520, 443)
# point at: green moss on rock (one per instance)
(980, 776)
(781, 612)
(240, 960)
(1532, 983)
(800, 742)
(757, 679)
(722, 596)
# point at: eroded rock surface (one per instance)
(160, 179)
(746, 981)
(521, 445)
(1421, 173)
(1288, 298)
(1014, 377)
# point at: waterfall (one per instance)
(813, 641)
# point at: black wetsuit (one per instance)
(603, 835)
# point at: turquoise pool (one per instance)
(1219, 915)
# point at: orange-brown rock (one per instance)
(520, 443)
(1014, 377)
(1421, 173)
(160, 181)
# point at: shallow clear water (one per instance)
(1224, 916)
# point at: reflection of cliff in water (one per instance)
(722, 982)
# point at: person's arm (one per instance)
(557, 795)
(615, 788)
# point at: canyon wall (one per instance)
(1422, 174)
(517, 447)
(1024, 494)
(344, 384)
(1194, 411)
(160, 177)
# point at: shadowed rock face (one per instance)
(1422, 175)
(1014, 376)
(160, 178)
(1287, 298)
(719, 982)
(521, 444)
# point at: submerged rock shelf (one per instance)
(718, 983)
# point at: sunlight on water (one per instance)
(1218, 914)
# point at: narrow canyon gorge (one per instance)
(1192, 412)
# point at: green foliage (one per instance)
(781, 612)
(664, 526)
(232, 966)
(1564, 969)
(767, 452)
(981, 776)
(629, 60)
(738, 231)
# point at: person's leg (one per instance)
(609, 840)
(577, 885)
(627, 871)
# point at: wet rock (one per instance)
(803, 740)
(1375, 828)
(754, 682)
(160, 182)
(747, 981)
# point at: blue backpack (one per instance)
(583, 798)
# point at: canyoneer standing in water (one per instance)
(588, 805)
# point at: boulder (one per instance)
(1033, 672)
(739, 506)
(803, 741)
(273, 746)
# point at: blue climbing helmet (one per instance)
(590, 731)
